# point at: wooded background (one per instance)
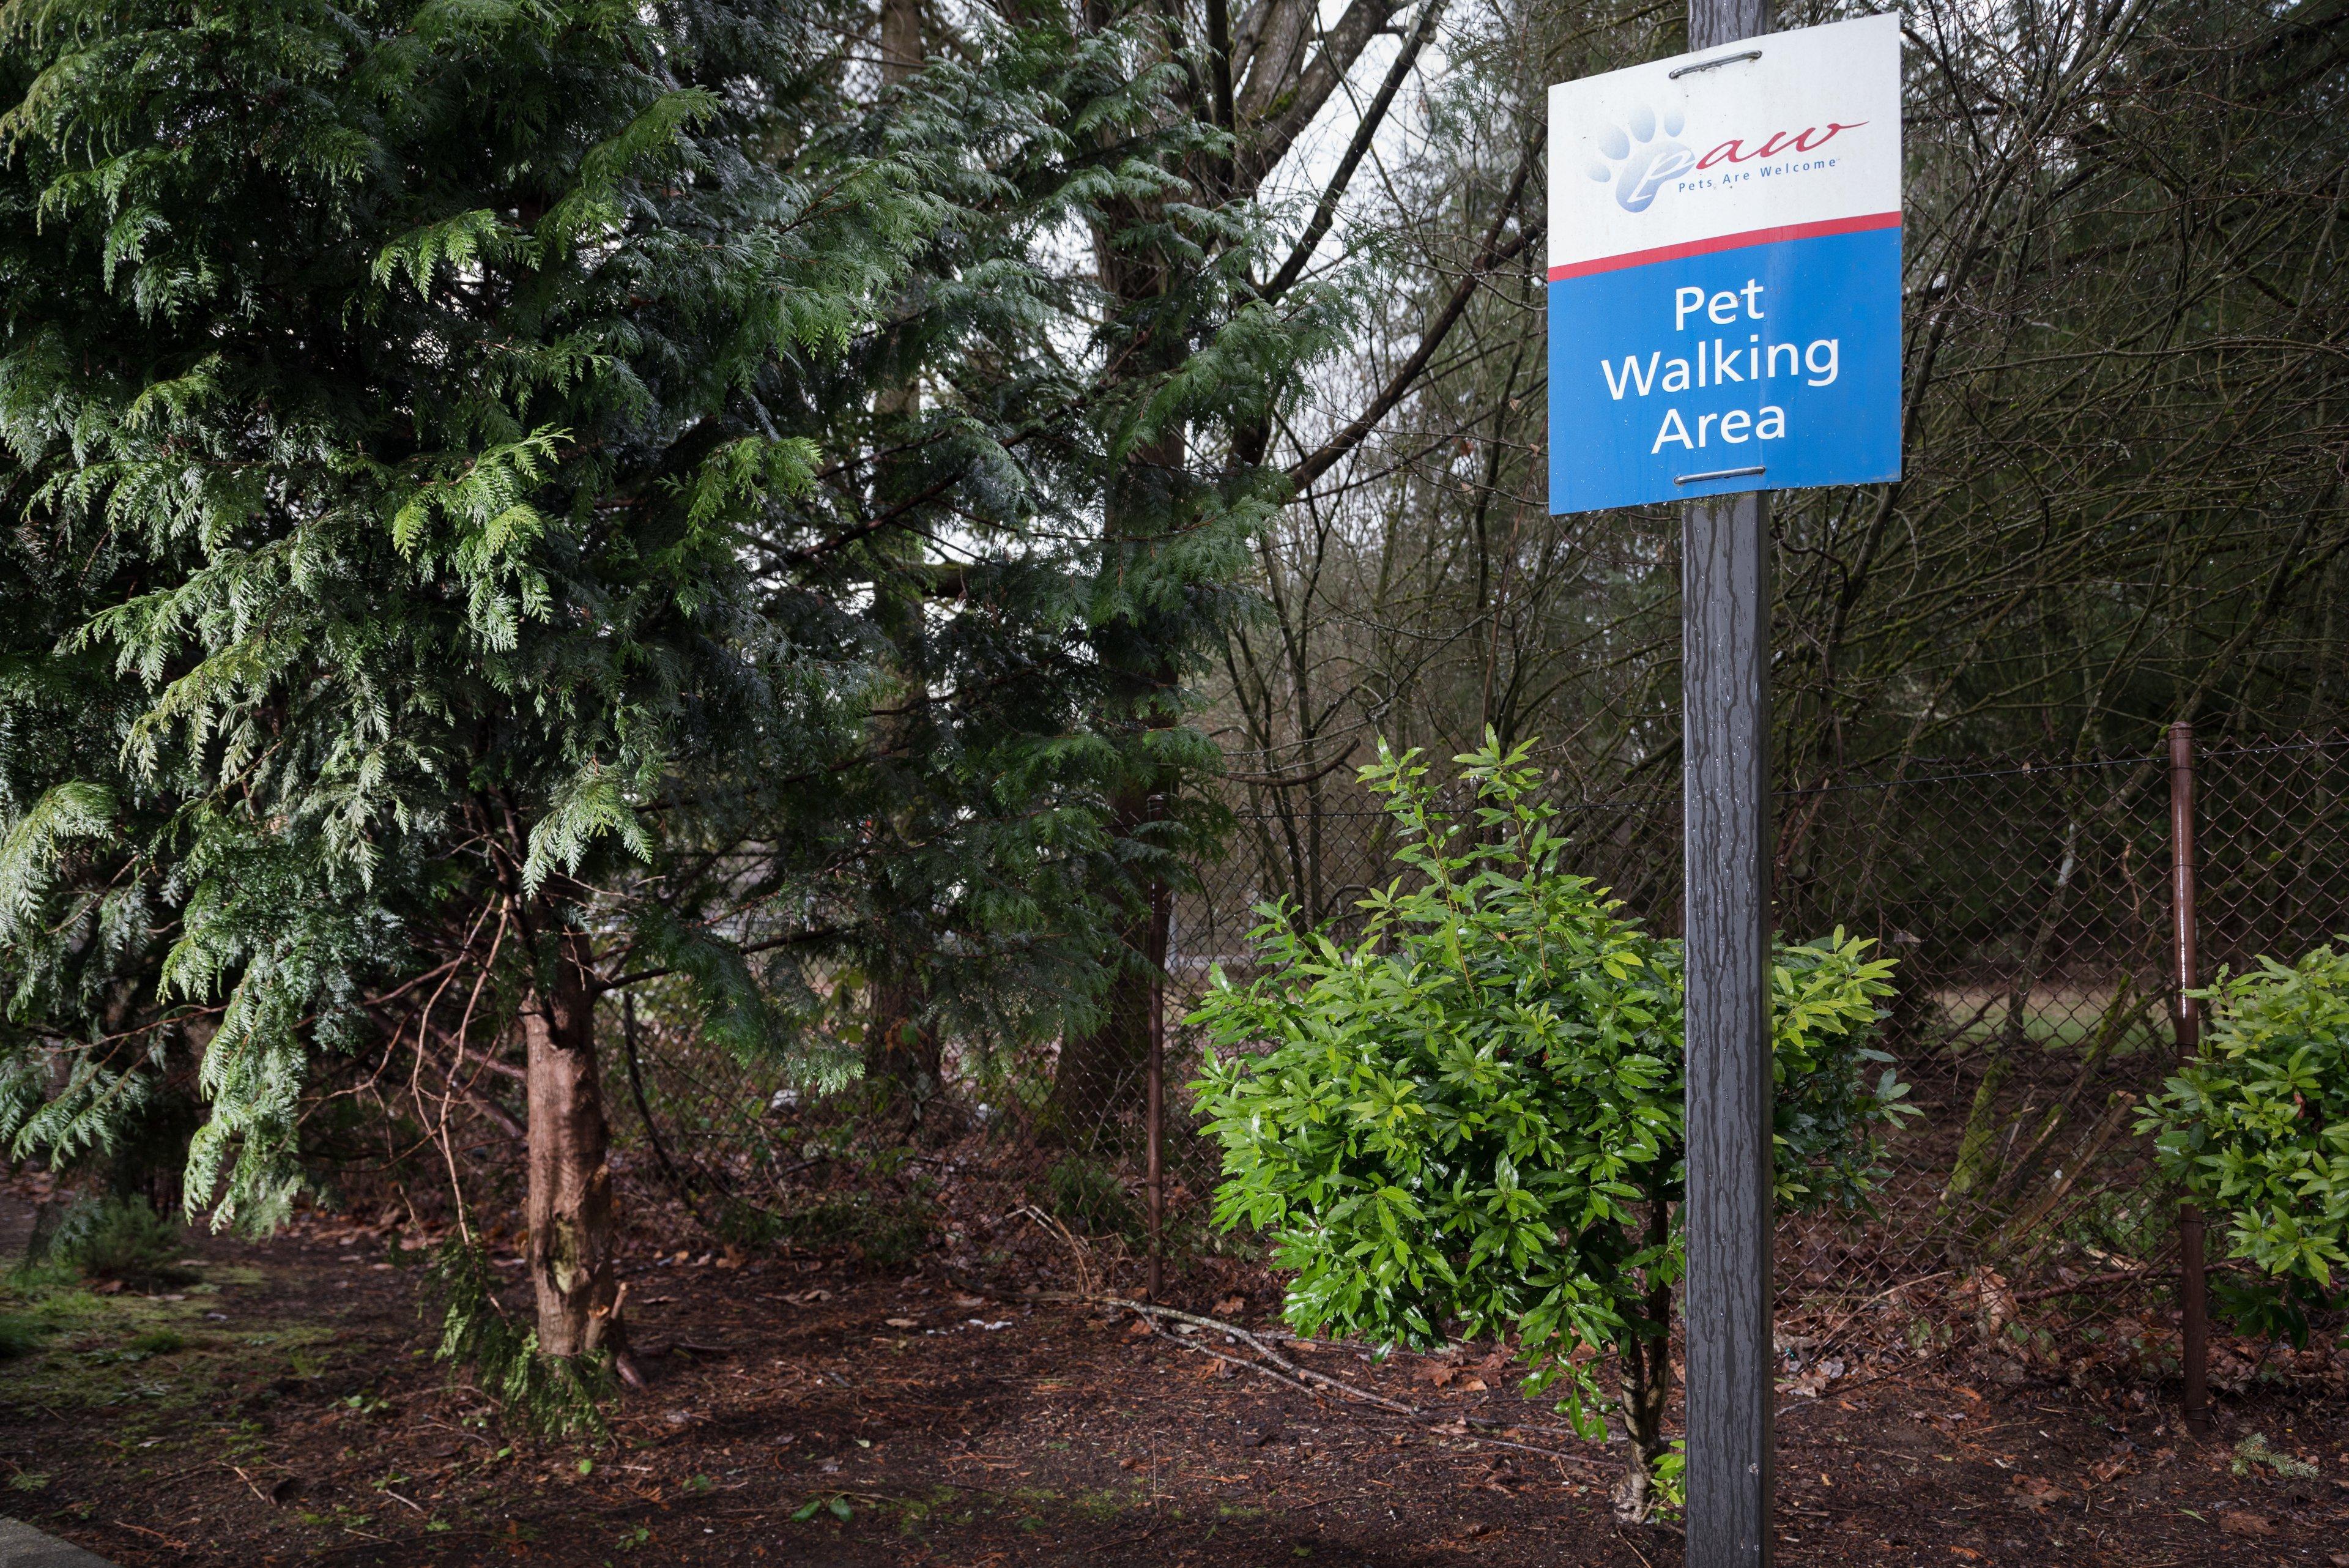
(810, 542)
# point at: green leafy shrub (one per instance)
(1470, 1120)
(2256, 1128)
(119, 1239)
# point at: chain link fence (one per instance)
(2028, 902)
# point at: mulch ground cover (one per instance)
(285, 1408)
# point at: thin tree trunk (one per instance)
(572, 1239)
(1647, 1374)
(1977, 1160)
(902, 1055)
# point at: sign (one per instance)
(1725, 270)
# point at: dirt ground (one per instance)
(806, 1410)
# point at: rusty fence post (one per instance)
(2188, 1020)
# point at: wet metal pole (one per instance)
(1725, 722)
(2188, 1022)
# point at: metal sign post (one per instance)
(1724, 320)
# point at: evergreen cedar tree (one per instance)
(1469, 1121)
(462, 503)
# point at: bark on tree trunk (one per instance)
(1647, 1387)
(902, 1051)
(1977, 1161)
(569, 1206)
(1101, 1071)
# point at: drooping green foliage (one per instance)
(547, 1396)
(2256, 1128)
(1470, 1120)
(467, 511)
(383, 392)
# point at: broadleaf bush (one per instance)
(1469, 1121)
(2256, 1130)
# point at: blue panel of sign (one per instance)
(1768, 365)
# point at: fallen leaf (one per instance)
(1138, 1329)
(970, 1301)
(2244, 1523)
(902, 1322)
(2038, 1492)
(2105, 1469)
(1967, 1553)
(1231, 1305)
(1474, 1385)
(1439, 1375)
(1993, 1303)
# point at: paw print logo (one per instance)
(1638, 159)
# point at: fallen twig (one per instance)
(1297, 1377)
(1826, 1335)
(245, 1478)
(2085, 1283)
(143, 1530)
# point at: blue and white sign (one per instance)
(1725, 270)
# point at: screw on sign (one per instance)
(1724, 320)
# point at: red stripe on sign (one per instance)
(1727, 242)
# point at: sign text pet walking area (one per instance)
(1725, 270)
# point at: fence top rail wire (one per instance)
(2019, 770)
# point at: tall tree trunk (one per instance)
(903, 1058)
(569, 1206)
(1100, 1070)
